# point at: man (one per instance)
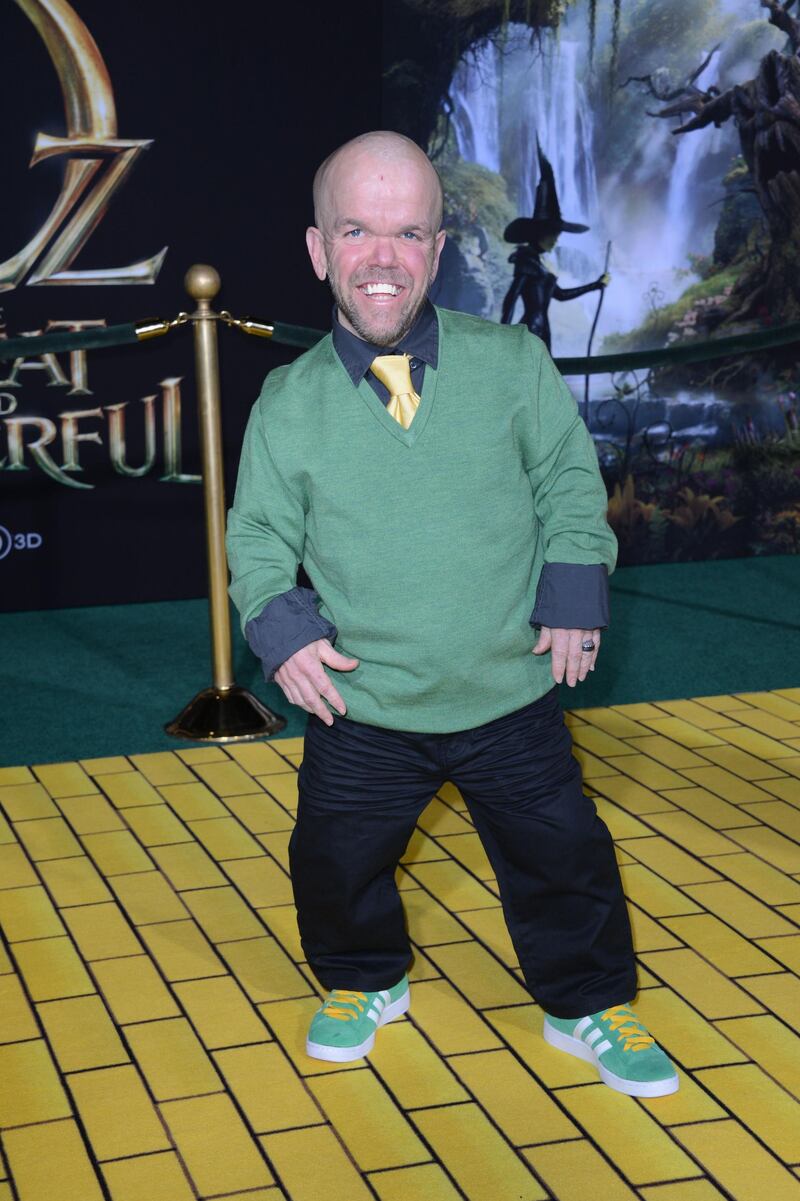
(438, 517)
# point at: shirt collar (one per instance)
(421, 342)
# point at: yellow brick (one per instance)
(30, 1090)
(707, 716)
(294, 760)
(785, 949)
(259, 813)
(215, 1145)
(702, 985)
(5, 963)
(6, 833)
(134, 990)
(281, 920)
(223, 914)
(451, 885)
(24, 801)
(264, 971)
(16, 1017)
(771, 702)
(193, 802)
(260, 880)
(734, 759)
(763, 747)
(81, 1033)
(64, 779)
(129, 788)
(411, 1070)
(282, 788)
(203, 754)
(118, 1114)
(780, 993)
(654, 895)
(678, 730)
(627, 1134)
(374, 1130)
(725, 784)
(289, 1020)
(48, 838)
(422, 968)
(147, 897)
(468, 850)
(619, 822)
(224, 838)
(614, 722)
(40, 1155)
(429, 922)
(424, 1182)
(448, 1021)
(712, 810)
(116, 853)
(105, 764)
(682, 1032)
(477, 1157)
(666, 859)
(28, 913)
(719, 944)
(476, 974)
(633, 797)
(220, 1012)
(737, 1162)
(420, 847)
(157, 1177)
(156, 825)
(439, 818)
(226, 779)
(267, 1088)
(779, 815)
(591, 766)
(101, 932)
(74, 881)
(646, 771)
(759, 1103)
(257, 758)
(665, 751)
(173, 1060)
(303, 1158)
(451, 796)
(521, 1108)
(15, 775)
(788, 789)
(739, 909)
(277, 844)
(489, 927)
(15, 869)
(769, 845)
(181, 950)
(186, 865)
(90, 814)
(695, 836)
(520, 1027)
(647, 934)
(769, 724)
(770, 1044)
(287, 746)
(162, 767)
(685, 1190)
(51, 968)
(639, 711)
(689, 1104)
(772, 886)
(575, 1171)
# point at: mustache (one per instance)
(382, 276)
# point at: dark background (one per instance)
(242, 103)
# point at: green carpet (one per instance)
(79, 683)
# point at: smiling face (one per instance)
(377, 238)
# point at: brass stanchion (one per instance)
(224, 712)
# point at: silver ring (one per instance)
(587, 646)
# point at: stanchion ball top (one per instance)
(202, 282)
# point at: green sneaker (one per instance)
(615, 1041)
(344, 1027)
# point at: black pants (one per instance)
(362, 789)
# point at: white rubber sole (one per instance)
(345, 1054)
(632, 1088)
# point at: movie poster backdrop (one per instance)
(139, 138)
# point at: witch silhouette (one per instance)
(535, 236)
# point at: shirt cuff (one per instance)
(572, 596)
(286, 624)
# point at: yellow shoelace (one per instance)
(341, 996)
(633, 1034)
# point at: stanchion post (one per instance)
(224, 712)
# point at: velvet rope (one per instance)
(61, 340)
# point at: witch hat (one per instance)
(546, 217)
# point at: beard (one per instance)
(377, 329)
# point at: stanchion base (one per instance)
(225, 715)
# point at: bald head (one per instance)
(367, 152)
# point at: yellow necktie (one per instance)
(395, 374)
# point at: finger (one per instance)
(332, 697)
(544, 641)
(332, 658)
(313, 702)
(574, 655)
(558, 654)
(595, 652)
(586, 658)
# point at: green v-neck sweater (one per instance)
(424, 545)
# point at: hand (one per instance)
(305, 682)
(566, 654)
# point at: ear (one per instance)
(316, 250)
(438, 244)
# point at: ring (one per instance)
(587, 646)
